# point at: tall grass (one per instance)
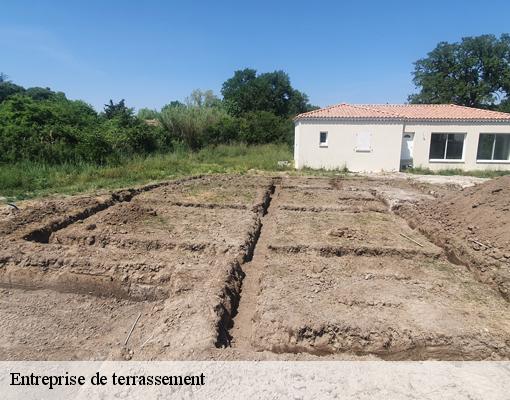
(29, 179)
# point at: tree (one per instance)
(474, 72)
(172, 104)
(8, 89)
(264, 127)
(199, 98)
(272, 92)
(39, 124)
(44, 130)
(199, 122)
(112, 110)
(147, 114)
(39, 93)
(119, 112)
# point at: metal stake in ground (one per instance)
(132, 328)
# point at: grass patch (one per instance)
(29, 179)
(323, 171)
(449, 172)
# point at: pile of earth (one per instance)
(473, 225)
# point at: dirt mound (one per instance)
(479, 213)
(474, 226)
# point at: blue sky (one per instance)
(152, 52)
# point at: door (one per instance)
(406, 153)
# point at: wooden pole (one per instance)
(412, 240)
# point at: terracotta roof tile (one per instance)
(405, 112)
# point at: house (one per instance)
(390, 137)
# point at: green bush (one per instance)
(56, 130)
(135, 137)
(193, 125)
(264, 127)
(201, 126)
(45, 130)
(147, 113)
(8, 89)
(225, 130)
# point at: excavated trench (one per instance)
(72, 274)
(339, 251)
(34, 270)
(399, 343)
(228, 310)
(240, 300)
(43, 234)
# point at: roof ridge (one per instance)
(406, 105)
(468, 107)
(476, 108)
(371, 108)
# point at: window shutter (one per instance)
(363, 141)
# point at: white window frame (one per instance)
(323, 144)
(448, 160)
(491, 161)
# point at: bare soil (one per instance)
(473, 226)
(389, 306)
(258, 267)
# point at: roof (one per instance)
(417, 112)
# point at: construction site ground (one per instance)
(256, 267)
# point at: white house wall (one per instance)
(422, 134)
(341, 151)
(386, 141)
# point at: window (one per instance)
(323, 141)
(363, 142)
(493, 147)
(446, 146)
